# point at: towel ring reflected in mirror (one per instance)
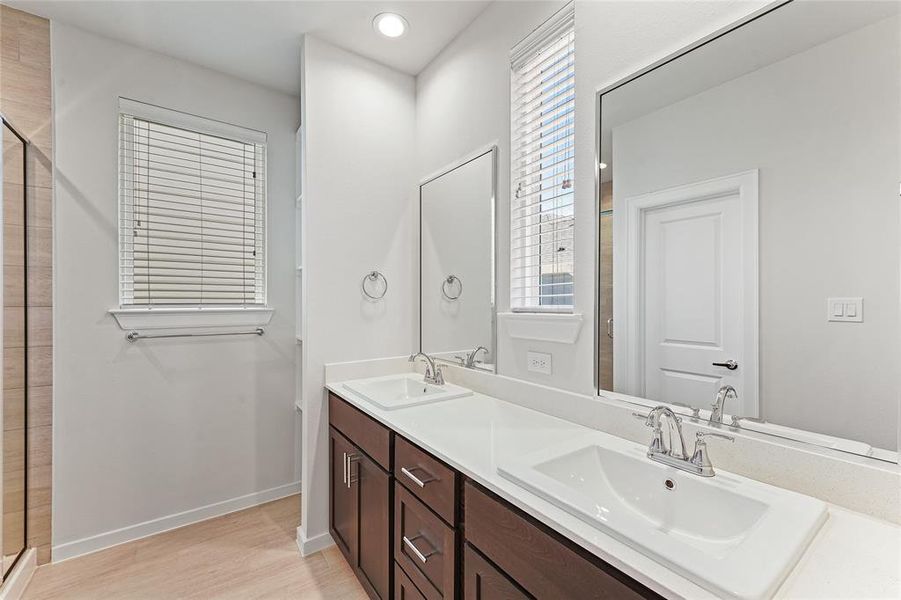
(373, 277)
(449, 281)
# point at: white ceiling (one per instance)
(260, 40)
(785, 32)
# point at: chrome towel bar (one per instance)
(133, 336)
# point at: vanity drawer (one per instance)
(481, 581)
(404, 588)
(429, 479)
(424, 546)
(366, 433)
(542, 562)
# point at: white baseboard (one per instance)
(312, 545)
(14, 586)
(108, 539)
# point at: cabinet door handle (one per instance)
(420, 482)
(423, 558)
(351, 459)
(344, 462)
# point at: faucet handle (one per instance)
(700, 458)
(736, 421)
(695, 411)
(645, 418)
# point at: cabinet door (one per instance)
(373, 486)
(343, 499)
(481, 581)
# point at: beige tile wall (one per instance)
(25, 99)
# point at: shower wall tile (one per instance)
(26, 100)
(40, 246)
(40, 406)
(40, 286)
(40, 207)
(13, 368)
(40, 326)
(40, 365)
(14, 409)
(14, 327)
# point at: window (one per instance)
(192, 211)
(542, 161)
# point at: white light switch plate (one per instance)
(539, 362)
(847, 310)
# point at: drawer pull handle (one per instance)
(420, 482)
(423, 558)
(351, 459)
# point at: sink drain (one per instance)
(669, 484)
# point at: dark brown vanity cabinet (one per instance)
(360, 499)
(413, 528)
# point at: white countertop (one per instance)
(853, 555)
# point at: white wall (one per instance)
(828, 218)
(462, 104)
(145, 430)
(359, 193)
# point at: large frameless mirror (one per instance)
(457, 248)
(749, 228)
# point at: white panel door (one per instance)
(694, 304)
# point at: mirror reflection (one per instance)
(749, 228)
(457, 263)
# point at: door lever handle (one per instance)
(729, 364)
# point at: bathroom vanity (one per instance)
(397, 512)
(500, 493)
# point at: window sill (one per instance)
(562, 328)
(178, 318)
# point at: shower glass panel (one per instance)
(12, 501)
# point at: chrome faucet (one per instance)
(674, 429)
(470, 360)
(663, 452)
(433, 372)
(716, 413)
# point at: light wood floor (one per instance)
(247, 554)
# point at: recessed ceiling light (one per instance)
(602, 165)
(390, 25)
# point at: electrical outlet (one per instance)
(539, 362)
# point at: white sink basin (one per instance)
(401, 391)
(734, 536)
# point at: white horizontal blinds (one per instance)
(542, 161)
(192, 215)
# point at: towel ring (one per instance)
(373, 276)
(449, 281)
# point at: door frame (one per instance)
(628, 345)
